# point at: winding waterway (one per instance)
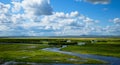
(110, 60)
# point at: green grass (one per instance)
(101, 48)
(32, 53)
(39, 40)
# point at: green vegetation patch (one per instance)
(32, 53)
(106, 49)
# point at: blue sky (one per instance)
(59, 17)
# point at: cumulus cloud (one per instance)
(112, 30)
(88, 20)
(16, 6)
(36, 20)
(59, 23)
(116, 20)
(4, 8)
(3, 28)
(37, 7)
(4, 13)
(18, 18)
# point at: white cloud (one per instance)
(98, 1)
(63, 15)
(58, 23)
(4, 8)
(4, 13)
(4, 18)
(37, 7)
(18, 18)
(95, 1)
(36, 20)
(112, 30)
(116, 20)
(16, 6)
(74, 14)
(88, 20)
(71, 23)
(4, 28)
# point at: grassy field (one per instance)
(104, 46)
(33, 53)
(29, 50)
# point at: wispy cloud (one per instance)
(96, 1)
